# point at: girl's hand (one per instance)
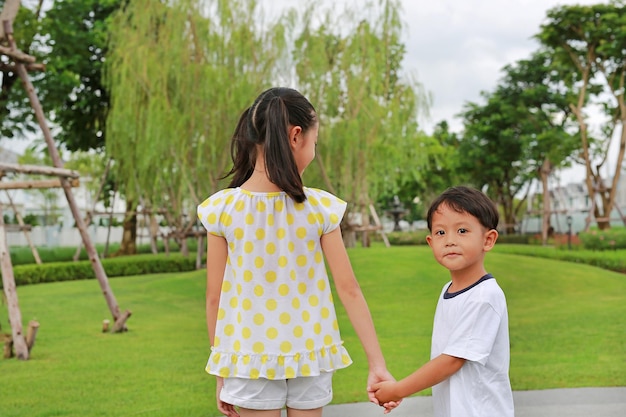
(374, 380)
(224, 407)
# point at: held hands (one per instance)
(377, 379)
(386, 395)
(223, 407)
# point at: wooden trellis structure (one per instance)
(21, 63)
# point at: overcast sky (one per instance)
(459, 47)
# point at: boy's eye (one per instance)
(440, 233)
(462, 230)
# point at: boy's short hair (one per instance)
(467, 200)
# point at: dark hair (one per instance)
(267, 123)
(466, 200)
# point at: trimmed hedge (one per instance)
(610, 260)
(22, 255)
(515, 239)
(598, 240)
(407, 238)
(114, 267)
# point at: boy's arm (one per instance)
(429, 374)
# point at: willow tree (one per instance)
(180, 74)
(349, 65)
(589, 42)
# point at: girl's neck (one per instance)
(259, 181)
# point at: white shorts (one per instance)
(302, 393)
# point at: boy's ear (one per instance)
(490, 239)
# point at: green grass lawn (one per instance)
(567, 325)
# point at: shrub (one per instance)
(114, 267)
(21, 255)
(515, 239)
(599, 240)
(610, 260)
(407, 238)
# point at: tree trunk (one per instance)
(544, 172)
(154, 233)
(128, 245)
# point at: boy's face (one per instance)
(459, 242)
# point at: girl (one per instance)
(272, 326)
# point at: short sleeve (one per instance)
(474, 336)
(330, 208)
(210, 211)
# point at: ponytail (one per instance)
(279, 161)
(242, 152)
(267, 123)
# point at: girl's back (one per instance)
(276, 316)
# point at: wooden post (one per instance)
(20, 221)
(31, 335)
(56, 159)
(8, 282)
(120, 323)
(379, 224)
(8, 347)
(89, 216)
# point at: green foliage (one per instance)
(114, 267)
(609, 260)
(72, 90)
(407, 238)
(602, 240)
(16, 114)
(349, 64)
(522, 126)
(514, 239)
(179, 80)
(589, 52)
(31, 219)
(23, 255)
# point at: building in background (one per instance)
(572, 200)
(51, 212)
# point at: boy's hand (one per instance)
(385, 392)
(378, 378)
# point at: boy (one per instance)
(469, 366)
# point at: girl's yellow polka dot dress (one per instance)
(276, 317)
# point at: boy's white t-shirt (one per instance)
(473, 324)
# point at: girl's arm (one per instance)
(217, 253)
(431, 373)
(354, 302)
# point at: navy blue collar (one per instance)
(447, 294)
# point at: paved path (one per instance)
(570, 402)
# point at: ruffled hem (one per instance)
(253, 366)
